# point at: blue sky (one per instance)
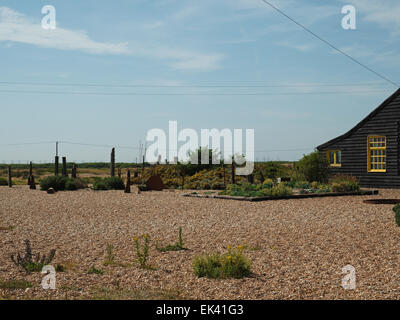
(306, 93)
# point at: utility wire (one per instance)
(193, 94)
(130, 147)
(331, 45)
(301, 85)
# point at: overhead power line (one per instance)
(331, 45)
(193, 93)
(298, 85)
(131, 147)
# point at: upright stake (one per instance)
(64, 166)
(9, 177)
(32, 186)
(223, 168)
(73, 173)
(119, 172)
(30, 173)
(128, 182)
(56, 165)
(233, 172)
(112, 163)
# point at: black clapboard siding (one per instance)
(383, 121)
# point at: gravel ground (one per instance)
(297, 247)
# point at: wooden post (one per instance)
(128, 182)
(183, 180)
(223, 167)
(30, 173)
(9, 177)
(143, 166)
(112, 163)
(64, 167)
(74, 170)
(56, 165)
(32, 186)
(119, 172)
(233, 172)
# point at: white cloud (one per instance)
(299, 47)
(16, 27)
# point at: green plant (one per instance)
(60, 268)
(110, 258)
(94, 270)
(30, 262)
(278, 191)
(110, 183)
(15, 284)
(60, 183)
(396, 210)
(142, 252)
(345, 186)
(232, 264)
(3, 182)
(173, 247)
(314, 167)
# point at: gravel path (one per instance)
(297, 247)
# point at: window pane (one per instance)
(338, 157)
(331, 157)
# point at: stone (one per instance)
(155, 183)
(51, 191)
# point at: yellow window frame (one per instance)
(335, 160)
(376, 153)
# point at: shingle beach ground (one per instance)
(297, 247)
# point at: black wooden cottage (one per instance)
(371, 150)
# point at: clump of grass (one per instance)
(396, 210)
(60, 183)
(3, 182)
(232, 264)
(173, 247)
(110, 183)
(15, 284)
(143, 251)
(60, 268)
(110, 257)
(30, 262)
(94, 270)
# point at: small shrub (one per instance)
(3, 182)
(174, 247)
(110, 258)
(110, 183)
(396, 210)
(345, 186)
(268, 183)
(60, 268)
(55, 182)
(314, 167)
(15, 284)
(232, 264)
(94, 270)
(142, 252)
(60, 183)
(99, 185)
(30, 262)
(278, 191)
